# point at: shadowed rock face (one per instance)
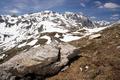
(40, 61)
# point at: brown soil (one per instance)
(99, 58)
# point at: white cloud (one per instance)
(43, 4)
(110, 5)
(47, 4)
(27, 5)
(93, 17)
(82, 4)
(98, 3)
(81, 13)
(115, 17)
(20, 5)
(13, 11)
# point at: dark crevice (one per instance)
(59, 55)
(73, 60)
(69, 63)
(30, 76)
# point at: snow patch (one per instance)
(36, 46)
(56, 35)
(52, 27)
(21, 45)
(32, 42)
(94, 29)
(69, 37)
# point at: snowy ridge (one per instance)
(102, 23)
(42, 28)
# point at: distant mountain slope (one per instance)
(19, 33)
(102, 23)
(46, 21)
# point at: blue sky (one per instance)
(95, 9)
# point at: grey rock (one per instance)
(95, 36)
(41, 61)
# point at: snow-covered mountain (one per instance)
(46, 21)
(102, 23)
(68, 20)
(34, 29)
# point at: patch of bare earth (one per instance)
(99, 58)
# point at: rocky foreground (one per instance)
(99, 57)
(37, 63)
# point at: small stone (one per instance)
(2, 56)
(81, 69)
(118, 47)
(86, 67)
(65, 68)
(95, 36)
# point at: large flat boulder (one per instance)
(41, 61)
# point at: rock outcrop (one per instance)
(94, 36)
(38, 62)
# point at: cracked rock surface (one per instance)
(41, 61)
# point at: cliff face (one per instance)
(99, 58)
